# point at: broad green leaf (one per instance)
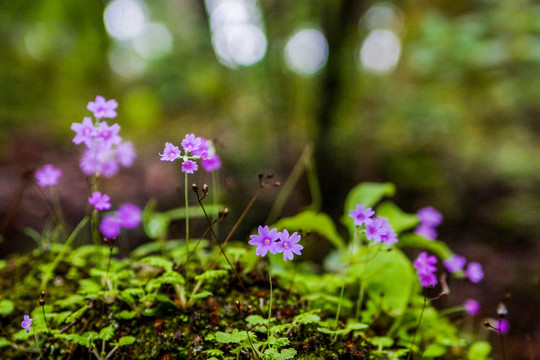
(126, 340)
(414, 240)
(6, 307)
(434, 350)
(201, 295)
(399, 220)
(126, 314)
(253, 320)
(313, 221)
(235, 337)
(212, 275)
(106, 333)
(307, 318)
(382, 341)
(388, 276)
(158, 262)
(4, 342)
(368, 194)
(171, 277)
(284, 355)
(480, 350)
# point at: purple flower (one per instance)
(125, 154)
(455, 263)
(103, 108)
(429, 216)
(84, 132)
(425, 268)
(361, 215)
(205, 149)
(99, 201)
(191, 143)
(289, 245)
(474, 272)
(189, 166)
(99, 160)
(170, 153)
(472, 307)
(387, 233)
(502, 326)
(373, 229)
(211, 163)
(265, 241)
(48, 175)
(129, 216)
(109, 134)
(26, 323)
(110, 226)
(426, 231)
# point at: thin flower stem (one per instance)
(37, 342)
(270, 303)
(45, 318)
(502, 341)
(343, 286)
(187, 215)
(417, 327)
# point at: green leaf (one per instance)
(253, 320)
(313, 221)
(437, 247)
(158, 262)
(126, 314)
(106, 333)
(235, 337)
(201, 295)
(213, 352)
(6, 307)
(480, 350)
(212, 275)
(4, 342)
(388, 276)
(307, 318)
(434, 350)
(382, 341)
(126, 340)
(172, 278)
(284, 355)
(77, 314)
(75, 338)
(399, 220)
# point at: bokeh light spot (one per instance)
(306, 52)
(124, 19)
(155, 41)
(380, 51)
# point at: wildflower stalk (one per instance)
(37, 342)
(187, 215)
(270, 302)
(343, 285)
(417, 327)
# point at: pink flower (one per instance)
(191, 143)
(425, 268)
(189, 166)
(84, 132)
(110, 226)
(474, 272)
(125, 154)
(211, 163)
(266, 241)
(429, 216)
(502, 326)
(48, 175)
(27, 322)
(472, 307)
(361, 215)
(426, 231)
(170, 153)
(99, 201)
(454, 263)
(129, 216)
(109, 134)
(288, 245)
(103, 108)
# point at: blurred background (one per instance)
(440, 98)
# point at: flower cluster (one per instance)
(457, 263)
(425, 268)
(276, 242)
(127, 216)
(105, 152)
(48, 175)
(100, 201)
(195, 148)
(377, 229)
(429, 220)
